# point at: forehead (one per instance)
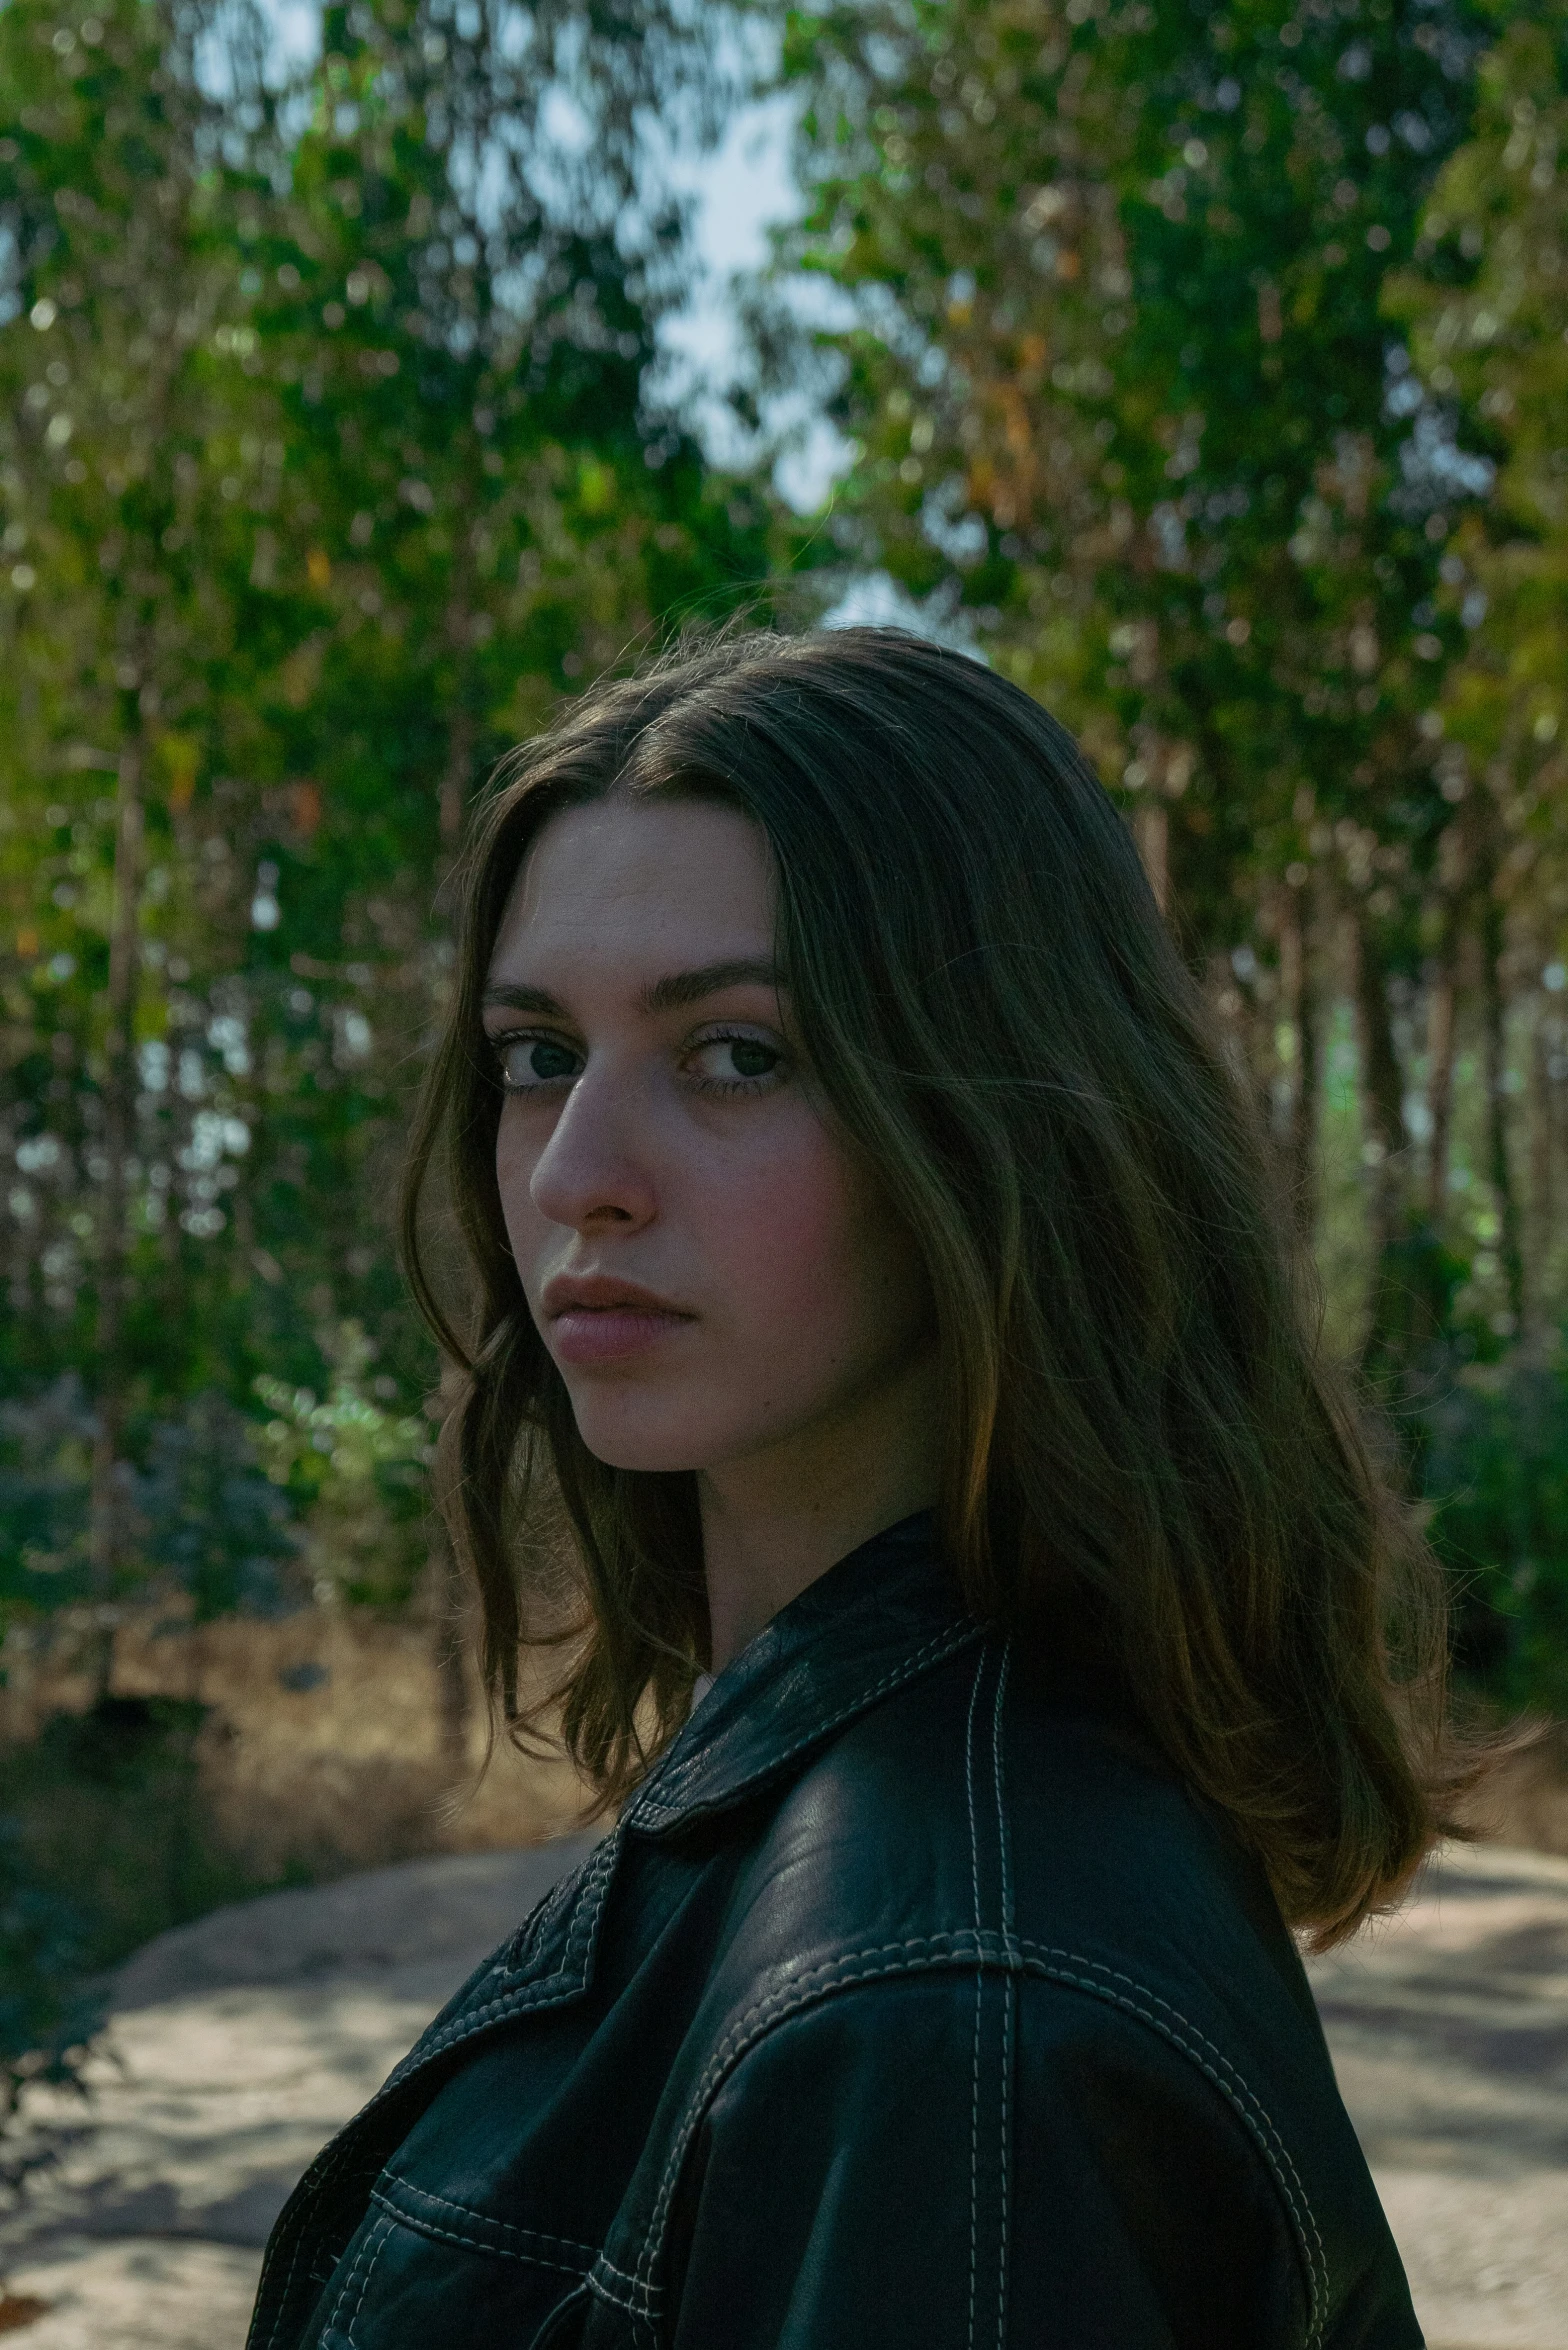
(624, 879)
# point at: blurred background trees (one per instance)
(328, 466)
(1203, 367)
(1207, 363)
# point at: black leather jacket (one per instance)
(908, 2004)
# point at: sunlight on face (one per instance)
(715, 1272)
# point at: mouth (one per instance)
(596, 1319)
(588, 1334)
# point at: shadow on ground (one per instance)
(240, 2043)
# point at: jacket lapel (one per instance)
(886, 1613)
(879, 1618)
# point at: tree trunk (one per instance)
(1459, 854)
(1404, 1307)
(457, 774)
(1542, 1163)
(1300, 992)
(1152, 831)
(1499, 1157)
(105, 1540)
(1440, 1075)
(1554, 1108)
(1382, 1090)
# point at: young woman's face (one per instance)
(714, 1270)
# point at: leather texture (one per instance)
(910, 2002)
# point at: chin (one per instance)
(656, 1445)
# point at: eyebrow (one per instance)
(664, 995)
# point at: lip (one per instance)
(596, 1318)
(603, 1293)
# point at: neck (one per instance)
(774, 1521)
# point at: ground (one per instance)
(240, 2043)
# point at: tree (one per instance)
(329, 465)
(1121, 380)
(1489, 306)
(475, 507)
(111, 195)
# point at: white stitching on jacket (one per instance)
(950, 1951)
(1007, 1998)
(956, 1636)
(372, 2245)
(587, 1895)
(1002, 1838)
(814, 1984)
(301, 2239)
(589, 1882)
(508, 2227)
(625, 2275)
(1317, 2261)
(431, 2227)
(974, 2108)
(354, 2268)
(642, 2323)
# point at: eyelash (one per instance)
(710, 1087)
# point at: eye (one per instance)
(735, 1063)
(526, 1063)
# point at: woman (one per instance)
(879, 1306)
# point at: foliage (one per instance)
(1488, 312)
(212, 1519)
(104, 1842)
(328, 464)
(202, 1518)
(1204, 364)
(49, 2010)
(45, 1457)
(355, 1473)
(1120, 371)
(1207, 364)
(1495, 1469)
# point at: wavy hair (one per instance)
(1142, 1434)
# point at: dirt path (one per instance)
(240, 2043)
(1449, 2026)
(237, 2046)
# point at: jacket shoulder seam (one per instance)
(1054, 1964)
(949, 1953)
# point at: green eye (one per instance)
(530, 1061)
(736, 1064)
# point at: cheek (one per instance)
(515, 1157)
(810, 1246)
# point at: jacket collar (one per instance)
(881, 1617)
(884, 1614)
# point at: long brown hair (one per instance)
(1141, 1427)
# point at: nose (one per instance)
(591, 1172)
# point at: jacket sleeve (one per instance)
(943, 2162)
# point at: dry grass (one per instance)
(337, 1739)
(334, 1739)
